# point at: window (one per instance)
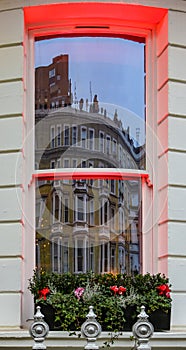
(66, 163)
(65, 257)
(83, 137)
(52, 73)
(52, 164)
(90, 255)
(80, 208)
(52, 137)
(91, 139)
(74, 135)
(58, 135)
(114, 147)
(112, 219)
(56, 255)
(74, 163)
(101, 141)
(79, 256)
(113, 127)
(40, 208)
(112, 186)
(104, 261)
(104, 212)
(91, 221)
(66, 210)
(83, 163)
(66, 135)
(56, 207)
(108, 144)
(113, 259)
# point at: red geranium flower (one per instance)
(118, 290)
(43, 293)
(121, 290)
(114, 289)
(164, 289)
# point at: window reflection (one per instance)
(89, 102)
(83, 226)
(89, 113)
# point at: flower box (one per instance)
(160, 320)
(65, 299)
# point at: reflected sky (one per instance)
(112, 68)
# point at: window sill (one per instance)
(58, 340)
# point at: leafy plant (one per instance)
(111, 296)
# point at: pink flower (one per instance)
(79, 292)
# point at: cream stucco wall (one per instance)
(168, 173)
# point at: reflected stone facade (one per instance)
(88, 224)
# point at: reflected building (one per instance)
(52, 85)
(93, 224)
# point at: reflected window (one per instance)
(74, 135)
(66, 135)
(83, 137)
(91, 139)
(109, 227)
(58, 135)
(101, 141)
(66, 210)
(52, 133)
(90, 113)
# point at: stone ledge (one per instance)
(21, 339)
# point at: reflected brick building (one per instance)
(52, 85)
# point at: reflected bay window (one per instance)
(91, 139)
(65, 257)
(52, 137)
(56, 255)
(108, 144)
(66, 210)
(83, 137)
(91, 213)
(74, 135)
(66, 135)
(122, 260)
(104, 212)
(79, 253)
(101, 141)
(113, 258)
(56, 207)
(112, 186)
(58, 135)
(104, 258)
(112, 219)
(80, 208)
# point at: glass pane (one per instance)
(89, 103)
(96, 229)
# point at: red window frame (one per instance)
(103, 19)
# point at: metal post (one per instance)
(91, 329)
(143, 331)
(39, 330)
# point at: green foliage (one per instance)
(110, 307)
